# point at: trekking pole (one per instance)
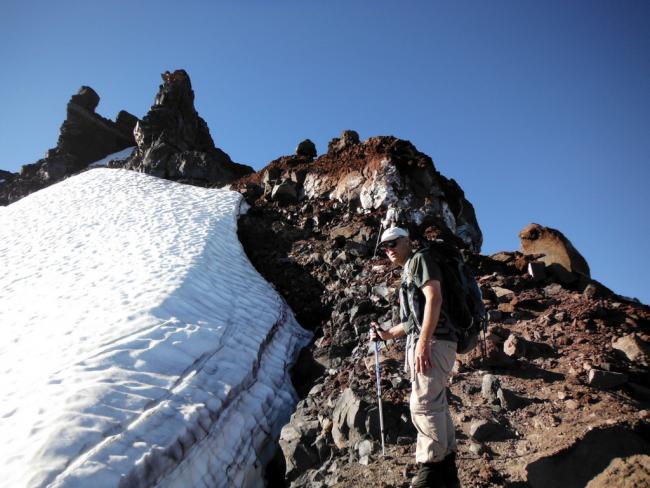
(381, 226)
(381, 412)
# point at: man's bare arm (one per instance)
(392, 333)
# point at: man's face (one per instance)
(399, 252)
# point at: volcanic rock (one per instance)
(628, 472)
(87, 135)
(379, 173)
(490, 387)
(84, 137)
(307, 149)
(590, 456)
(634, 349)
(559, 254)
(285, 192)
(174, 142)
(296, 442)
(364, 448)
(487, 430)
(518, 347)
(348, 419)
(348, 138)
(606, 379)
(510, 400)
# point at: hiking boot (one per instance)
(429, 476)
(449, 471)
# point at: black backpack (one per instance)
(460, 291)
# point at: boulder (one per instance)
(627, 472)
(487, 430)
(307, 149)
(296, 441)
(556, 248)
(503, 294)
(515, 346)
(348, 138)
(365, 448)
(397, 422)
(285, 192)
(348, 419)
(494, 315)
(633, 348)
(553, 289)
(489, 387)
(587, 457)
(510, 400)
(599, 378)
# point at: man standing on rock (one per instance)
(430, 356)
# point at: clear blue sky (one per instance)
(540, 110)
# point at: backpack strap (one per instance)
(409, 292)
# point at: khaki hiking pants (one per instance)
(429, 408)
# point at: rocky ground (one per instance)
(561, 390)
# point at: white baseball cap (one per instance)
(393, 233)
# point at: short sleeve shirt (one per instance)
(423, 268)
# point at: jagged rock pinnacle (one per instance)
(174, 142)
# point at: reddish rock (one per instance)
(605, 379)
(629, 472)
(634, 349)
(556, 248)
(515, 347)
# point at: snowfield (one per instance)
(139, 346)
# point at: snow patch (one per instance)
(139, 345)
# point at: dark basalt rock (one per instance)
(6, 176)
(84, 137)
(307, 149)
(174, 142)
(89, 136)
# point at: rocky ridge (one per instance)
(84, 137)
(566, 359)
(174, 142)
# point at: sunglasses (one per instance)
(389, 244)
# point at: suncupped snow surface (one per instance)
(139, 346)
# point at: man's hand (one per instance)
(422, 357)
(377, 333)
(432, 305)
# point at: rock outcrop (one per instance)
(370, 177)
(564, 357)
(559, 255)
(174, 142)
(84, 137)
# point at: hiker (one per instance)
(430, 356)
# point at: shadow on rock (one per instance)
(576, 465)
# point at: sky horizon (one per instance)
(541, 112)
